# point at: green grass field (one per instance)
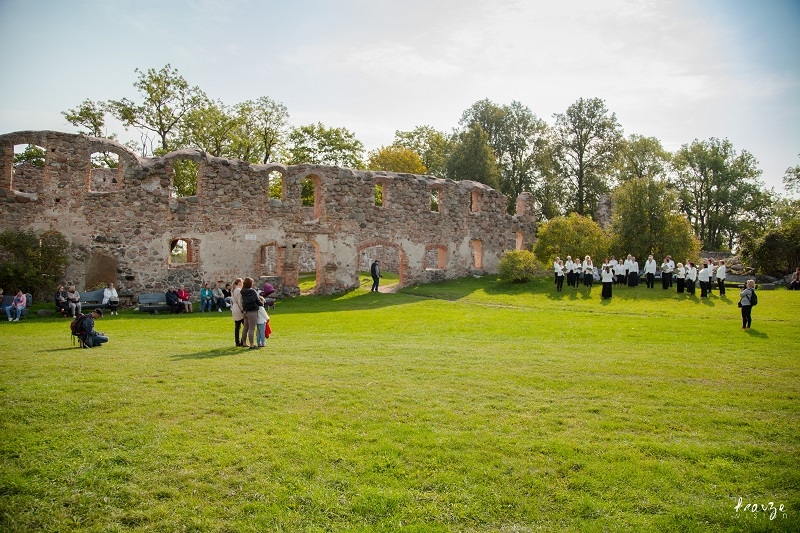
(471, 405)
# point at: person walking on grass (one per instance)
(375, 272)
(747, 300)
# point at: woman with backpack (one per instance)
(748, 299)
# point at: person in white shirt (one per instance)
(666, 273)
(680, 277)
(568, 265)
(721, 273)
(650, 271)
(111, 298)
(704, 277)
(633, 273)
(628, 265)
(588, 272)
(559, 275)
(620, 271)
(671, 264)
(607, 278)
(691, 277)
(555, 269)
(577, 268)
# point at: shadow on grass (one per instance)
(756, 333)
(207, 354)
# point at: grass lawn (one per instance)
(470, 405)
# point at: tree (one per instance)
(166, 100)
(90, 115)
(319, 145)
(645, 220)
(473, 159)
(718, 188)
(262, 128)
(587, 143)
(396, 159)
(517, 266)
(209, 127)
(518, 139)
(573, 235)
(791, 180)
(642, 157)
(433, 147)
(777, 252)
(32, 263)
(32, 155)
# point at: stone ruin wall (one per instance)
(121, 223)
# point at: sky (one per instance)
(677, 70)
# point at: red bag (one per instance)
(267, 330)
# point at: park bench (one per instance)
(153, 302)
(92, 299)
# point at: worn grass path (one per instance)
(471, 405)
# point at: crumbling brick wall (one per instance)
(232, 228)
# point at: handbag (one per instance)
(740, 303)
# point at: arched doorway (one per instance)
(392, 262)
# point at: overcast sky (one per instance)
(677, 70)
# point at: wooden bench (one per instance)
(92, 299)
(153, 302)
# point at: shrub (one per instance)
(518, 266)
(32, 263)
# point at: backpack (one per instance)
(249, 300)
(77, 330)
(753, 298)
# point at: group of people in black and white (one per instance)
(627, 271)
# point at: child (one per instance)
(261, 326)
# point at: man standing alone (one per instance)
(375, 272)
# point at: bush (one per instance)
(518, 266)
(32, 263)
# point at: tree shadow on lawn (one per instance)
(353, 300)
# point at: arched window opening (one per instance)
(435, 257)
(379, 195)
(519, 241)
(269, 259)
(309, 268)
(308, 192)
(311, 192)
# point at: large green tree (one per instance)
(209, 127)
(573, 235)
(645, 220)
(472, 158)
(718, 189)
(642, 157)
(791, 179)
(433, 147)
(261, 130)
(31, 262)
(587, 140)
(320, 145)
(91, 116)
(396, 159)
(519, 141)
(166, 99)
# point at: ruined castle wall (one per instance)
(128, 216)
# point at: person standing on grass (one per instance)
(607, 278)
(588, 271)
(691, 277)
(577, 268)
(650, 271)
(568, 264)
(747, 296)
(250, 305)
(633, 272)
(666, 273)
(680, 277)
(375, 272)
(261, 325)
(559, 275)
(704, 277)
(621, 273)
(237, 311)
(721, 273)
(555, 270)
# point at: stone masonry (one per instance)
(126, 225)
